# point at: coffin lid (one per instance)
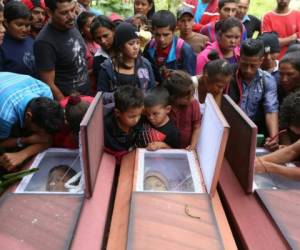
(92, 143)
(212, 143)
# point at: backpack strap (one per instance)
(179, 45)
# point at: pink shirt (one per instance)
(202, 57)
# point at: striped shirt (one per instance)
(16, 91)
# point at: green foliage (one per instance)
(117, 6)
(257, 7)
(260, 7)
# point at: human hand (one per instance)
(11, 160)
(152, 146)
(190, 147)
(271, 144)
(294, 37)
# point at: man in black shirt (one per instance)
(250, 22)
(60, 51)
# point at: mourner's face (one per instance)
(269, 60)
(228, 10)
(217, 84)
(64, 16)
(230, 39)
(282, 4)
(130, 117)
(86, 28)
(158, 114)
(248, 66)
(289, 77)
(243, 7)
(163, 36)
(2, 29)
(38, 17)
(104, 37)
(142, 7)
(131, 49)
(18, 28)
(185, 24)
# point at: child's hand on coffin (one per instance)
(190, 147)
(38, 139)
(157, 145)
(11, 160)
(271, 144)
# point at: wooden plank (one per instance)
(91, 229)
(283, 206)
(119, 224)
(38, 221)
(224, 227)
(254, 228)
(241, 144)
(174, 221)
(92, 142)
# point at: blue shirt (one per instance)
(260, 96)
(16, 91)
(17, 56)
(201, 7)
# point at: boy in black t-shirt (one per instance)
(122, 125)
(162, 133)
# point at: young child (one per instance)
(16, 52)
(185, 111)
(75, 107)
(122, 125)
(162, 133)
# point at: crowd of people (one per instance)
(154, 70)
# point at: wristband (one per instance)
(19, 142)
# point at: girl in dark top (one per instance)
(102, 30)
(16, 54)
(126, 67)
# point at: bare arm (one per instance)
(32, 139)
(272, 123)
(284, 155)
(11, 160)
(195, 137)
(287, 40)
(272, 126)
(49, 77)
(269, 167)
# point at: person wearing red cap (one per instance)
(38, 15)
